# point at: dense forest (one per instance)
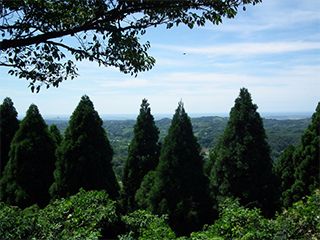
(241, 177)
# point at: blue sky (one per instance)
(273, 49)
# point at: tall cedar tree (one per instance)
(178, 186)
(9, 124)
(307, 160)
(29, 172)
(284, 171)
(298, 169)
(143, 155)
(55, 134)
(242, 166)
(84, 156)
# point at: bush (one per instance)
(92, 215)
(86, 215)
(16, 223)
(143, 225)
(237, 222)
(301, 221)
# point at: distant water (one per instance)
(268, 115)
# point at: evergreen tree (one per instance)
(55, 134)
(143, 155)
(284, 171)
(84, 156)
(307, 160)
(9, 124)
(178, 186)
(29, 172)
(242, 166)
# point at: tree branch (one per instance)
(7, 65)
(112, 16)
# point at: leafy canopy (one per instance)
(40, 36)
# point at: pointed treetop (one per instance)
(8, 108)
(144, 107)
(86, 101)
(245, 99)
(33, 117)
(7, 101)
(33, 110)
(180, 109)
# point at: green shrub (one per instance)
(143, 225)
(16, 223)
(86, 215)
(237, 222)
(301, 221)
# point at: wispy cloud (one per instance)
(272, 15)
(285, 20)
(240, 49)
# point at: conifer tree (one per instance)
(84, 156)
(9, 124)
(242, 166)
(143, 155)
(284, 171)
(55, 134)
(307, 160)
(178, 186)
(29, 172)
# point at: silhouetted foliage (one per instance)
(107, 32)
(84, 156)
(29, 172)
(179, 187)
(143, 155)
(9, 124)
(241, 162)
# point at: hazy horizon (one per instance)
(159, 116)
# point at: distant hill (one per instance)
(281, 133)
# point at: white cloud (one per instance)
(244, 49)
(271, 15)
